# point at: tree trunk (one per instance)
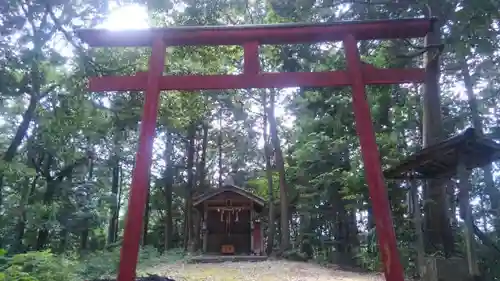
(219, 147)
(35, 77)
(63, 242)
(189, 188)
(85, 233)
(43, 233)
(438, 230)
(113, 218)
(202, 170)
(169, 178)
(84, 238)
(353, 231)
(26, 200)
(53, 183)
(343, 229)
(280, 165)
(11, 151)
(417, 223)
(269, 175)
(490, 188)
(120, 186)
(200, 178)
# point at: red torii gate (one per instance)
(357, 76)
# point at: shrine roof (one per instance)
(228, 188)
(288, 33)
(442, 159)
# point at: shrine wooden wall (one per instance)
(239, 231)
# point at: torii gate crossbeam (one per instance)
(357, 76)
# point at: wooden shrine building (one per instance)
(230, 221)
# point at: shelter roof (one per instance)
(228, 188)
(441, 160)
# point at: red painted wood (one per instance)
(256, 236)
(393, 269)
(251, 59)
(264, 34)
(139, 187)
(265, 80)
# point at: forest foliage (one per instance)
(68, 154)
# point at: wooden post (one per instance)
(251, 231)
(261, 239)
(466, 214)
(384, 225)
(205, 227)
(140, 176)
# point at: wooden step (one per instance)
(226, 258)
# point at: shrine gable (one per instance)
(228, 192)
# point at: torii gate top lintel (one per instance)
(357, 75)
(294, 33)
(250, 37)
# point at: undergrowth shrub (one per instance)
(46, 266)
(101, 264)
(104, 264)
(149, 259)
(295, 255)
(38, 266)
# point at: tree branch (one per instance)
(397, 3)
(70, 39)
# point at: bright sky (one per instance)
(133, 16)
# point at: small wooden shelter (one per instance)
(230, 221)
(454, 157)
(467, 150)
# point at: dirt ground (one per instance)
(260, 271)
